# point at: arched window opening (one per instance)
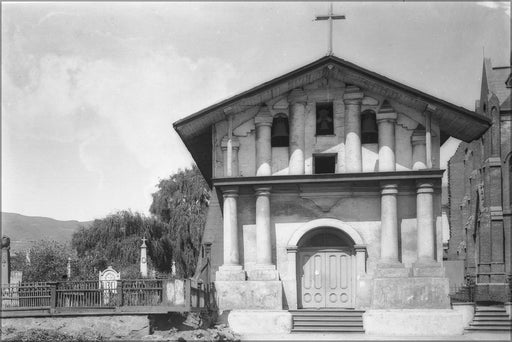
(325, 237)
(369, 130)
(280, 131)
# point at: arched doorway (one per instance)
(326, 269)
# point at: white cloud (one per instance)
(505, 6)
(114, 108)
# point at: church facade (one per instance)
(327, 196)
(480, 177)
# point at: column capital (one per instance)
(297, 96)
(230, 192)
(424, 186)
(418, 138)
(388, 188)
(262, 190)
(264, 118)
(235, 143)
(387, 117)
(353, 95)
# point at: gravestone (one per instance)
(108, 282)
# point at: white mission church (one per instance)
(326, 201)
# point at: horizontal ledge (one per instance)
(331, 178)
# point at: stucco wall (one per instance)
(244, 131)
(290, 211)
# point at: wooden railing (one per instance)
(163, 295)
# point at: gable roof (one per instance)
(454, 121)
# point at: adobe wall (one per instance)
(290, 211)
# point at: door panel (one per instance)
(326, 279)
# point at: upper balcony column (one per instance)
(419, 151)
(263, 123)
(386, 121)
(297, 100)
(230, 168)
(352, 99)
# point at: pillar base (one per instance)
(249, 295)
(428, 269)
(263, 272)
(391, 269)
(230, 273)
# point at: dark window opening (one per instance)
(324, 119)
(369, 130)
(280, 131)
(325, 164)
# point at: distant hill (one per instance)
(24, 229)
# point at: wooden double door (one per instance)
(327, 277)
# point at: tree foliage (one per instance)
(181, 202)
(115, 241)
(48, 261)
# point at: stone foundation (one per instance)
(417, 322)
(232, 295)
(260, 321)
(467, 310)
(123, 327)
(410, 293)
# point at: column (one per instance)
(352, 99)
(389, 225)
(297, 99)
(425, 222)
(419, 158)
(231, 269)
(264, 269)
(263, 123)
(263, 239)
(386, 122)
(230, 169)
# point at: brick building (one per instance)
(480, 184)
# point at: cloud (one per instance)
(119, 110)
(504, 6)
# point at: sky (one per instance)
(90, 90)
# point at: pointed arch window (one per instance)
(280, 131)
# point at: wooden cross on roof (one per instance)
(331, 16)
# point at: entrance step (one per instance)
(312, 320)
(490, 318)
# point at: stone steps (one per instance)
(327, 321)
(492, 318)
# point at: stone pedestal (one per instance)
(417, 322)
(249, 295)
(230, 273)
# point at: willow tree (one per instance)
(181, 202)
